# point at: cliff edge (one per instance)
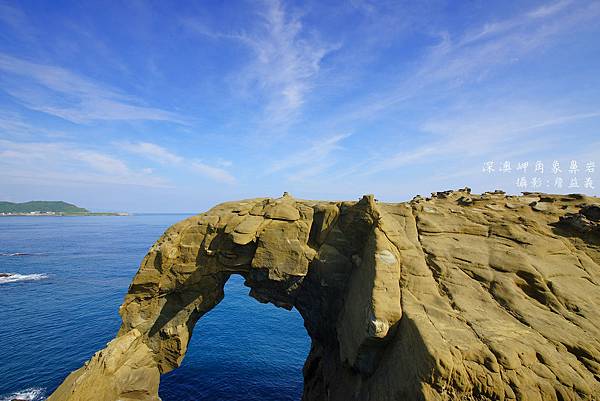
(453, 297)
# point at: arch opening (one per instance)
(241, 350)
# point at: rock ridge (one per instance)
(455, 296)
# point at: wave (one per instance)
(18, 254)
(30, 394)
(14, 277)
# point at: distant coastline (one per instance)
(59, 214)
(49, 208)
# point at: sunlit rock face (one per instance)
(453, 297)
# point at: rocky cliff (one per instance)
(453, 297)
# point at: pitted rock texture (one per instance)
(453, 297)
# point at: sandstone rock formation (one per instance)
(453, 297)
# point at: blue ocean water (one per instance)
(64, 307)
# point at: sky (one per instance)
(146, 106)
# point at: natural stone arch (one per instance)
(271, 243)
(434, 299)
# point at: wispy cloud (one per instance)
(65, 94)
(151, 151)
(13, 125)
(311, 161)
(63, 162)
(164, 156)
(524, 20)
(472, 56)
(287, 59)
(216, 173)
(479, 135)
(549, 9)
(17, 21)
(417, 85)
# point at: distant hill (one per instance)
(40, 206)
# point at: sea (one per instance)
(60, 305)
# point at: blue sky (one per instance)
(175, 106)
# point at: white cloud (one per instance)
(311, 161)
(287, 60)
(16, 19)
(479, 133)
(224, 163)
(549, 9)
(469, 58)
(216, 173)
(151, 151)
(62, 93)
(164, 156)
(102, 163)
(489, 30)
(286, 63)
(13, 125)
(62, 162)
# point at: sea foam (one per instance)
(14, 278)
(30, 394)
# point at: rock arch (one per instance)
(433, 299)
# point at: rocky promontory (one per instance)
(452, 297)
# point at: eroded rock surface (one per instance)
(453, 297)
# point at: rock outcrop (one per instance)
(453, 297)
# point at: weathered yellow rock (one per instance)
(453, 297)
